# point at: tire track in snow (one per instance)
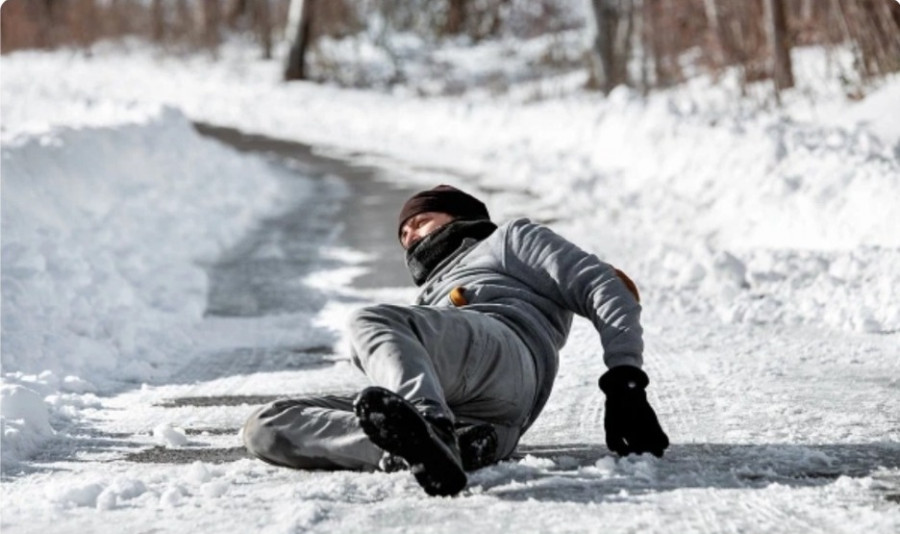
(694, 398)
(681, 400)
(590, 414)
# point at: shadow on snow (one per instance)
(578, 472)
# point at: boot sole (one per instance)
(397, 427)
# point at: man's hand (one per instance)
(631, 424)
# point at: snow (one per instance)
(169, 436)
(25, 420)
(102, 229)
(763, 241)
(871, 112)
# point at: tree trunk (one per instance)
(45, 23)
(298, 30)
(611, 45)
(716, 41)
(120, 24)
(806, 11)
(779, 45)
(212, 18)
(601, 55)
(184, 26)
(53, 22)
(236, 9)
(622, 50)
(887, 17)
(456, 17)
(158, 25)
(263, 19)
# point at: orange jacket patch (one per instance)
(629, 284)
(458, 296)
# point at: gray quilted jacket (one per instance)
(534, 280)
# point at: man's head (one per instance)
(429, 210)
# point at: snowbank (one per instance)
(103, 229)
(663, 185)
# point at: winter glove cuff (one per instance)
(623, 379)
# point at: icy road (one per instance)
(773, 429)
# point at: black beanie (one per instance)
(444, 199)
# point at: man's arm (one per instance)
(584, 284)
(580, 282)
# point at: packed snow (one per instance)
(763, 240)
(102, 231)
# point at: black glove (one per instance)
(631, 424)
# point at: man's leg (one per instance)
(311, 433)
(449, 362)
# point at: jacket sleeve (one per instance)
(579, 282)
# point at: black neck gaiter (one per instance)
(430, 251)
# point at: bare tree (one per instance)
(779, 45)
(116, 22)
(263, 23)
(663, 41)
(610, 50)
(298, 31)
(24, 25)
(716, 42)
(235, 11)
(183, 24)
(52, 22)
(456, 17)
(754, 37)
(212, 19)
(255, 16)
(158, 24)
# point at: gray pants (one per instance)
(468, 365)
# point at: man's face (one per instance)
(421, 225)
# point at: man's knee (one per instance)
(368, 317)
(258, 436)
(283, 433)
(370, 326)
(263, 436)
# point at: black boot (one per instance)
(477, 445)
(427, 443)
(477, 449)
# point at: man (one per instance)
(461, 375)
